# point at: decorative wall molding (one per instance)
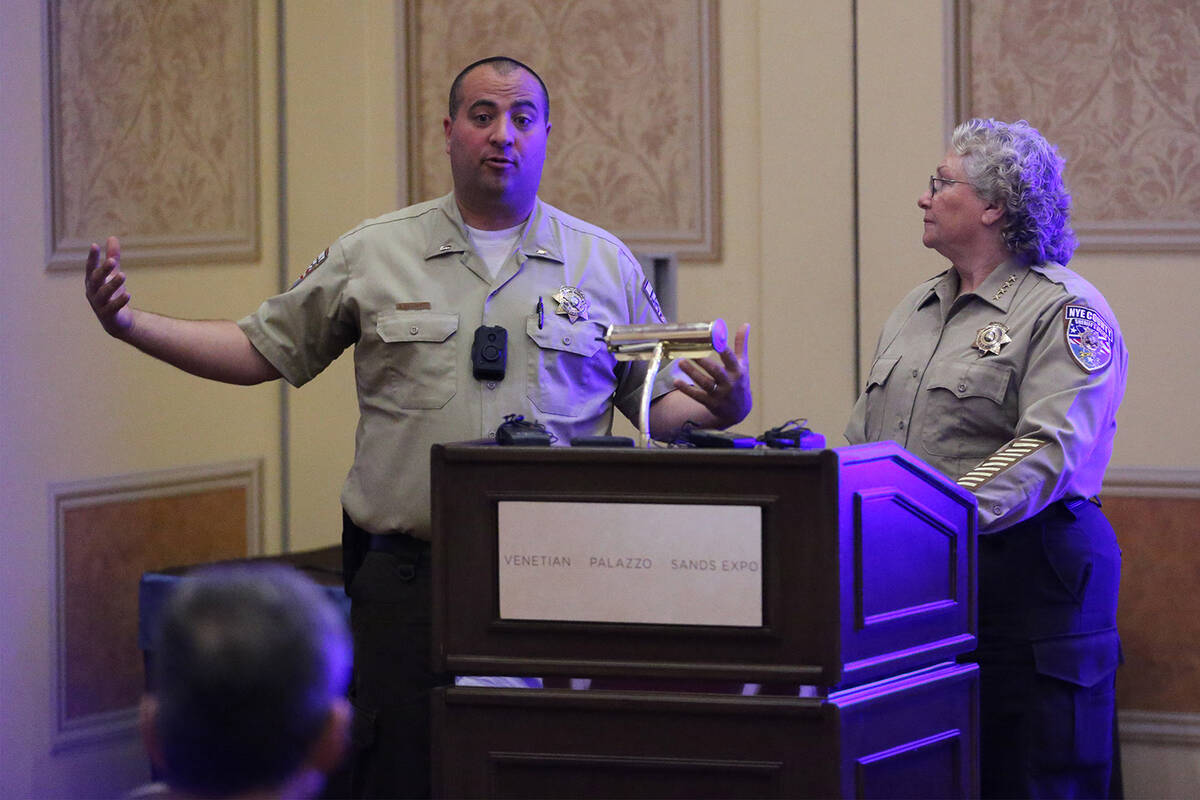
(152, 130)
(1116, 88)
(953, 42)
(1160, 482)
(1159, 727)
(148, 521)
(633, 99)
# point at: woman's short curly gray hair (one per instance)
(1012, 166)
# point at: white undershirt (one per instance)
(494, 247)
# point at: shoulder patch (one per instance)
(1089, 337)
(652, 298)
(316, 262)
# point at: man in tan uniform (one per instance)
(408, 291)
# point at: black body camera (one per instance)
(489, 352)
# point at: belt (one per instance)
(401, 545)
(1071, 506)
(1074, 504)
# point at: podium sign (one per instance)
(650, 563)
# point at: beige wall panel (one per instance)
(342, 169)
(806, 229)
(732, 288)
(902, 134)
(1154, 297)
(77, 405)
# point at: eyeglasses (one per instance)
(934, 181)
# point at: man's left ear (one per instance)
(330, 747)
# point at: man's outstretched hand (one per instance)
(104, 286)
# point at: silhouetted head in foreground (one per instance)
(248, 685)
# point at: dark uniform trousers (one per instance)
(1048, 654)
(389, 584)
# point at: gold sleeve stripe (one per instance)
(1001, 460)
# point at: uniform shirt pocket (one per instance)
(876, 394)
(965, 415)
(1075, 712)
(566, 367)
(419, 352)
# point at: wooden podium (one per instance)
(841, 580)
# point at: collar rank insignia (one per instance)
(1004, 287)
(1089, 337)
(571, 303)
(991, 337)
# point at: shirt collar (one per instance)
(998, 288)
(448, 234)
(541, 239)
(940, 286)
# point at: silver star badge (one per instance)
(571, 303)
(991, 338)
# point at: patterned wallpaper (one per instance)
(632, 100)
(153, 129)
(1116, 85)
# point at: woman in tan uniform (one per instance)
(1005, 373)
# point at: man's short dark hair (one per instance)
(503, 65)
(246, 663)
